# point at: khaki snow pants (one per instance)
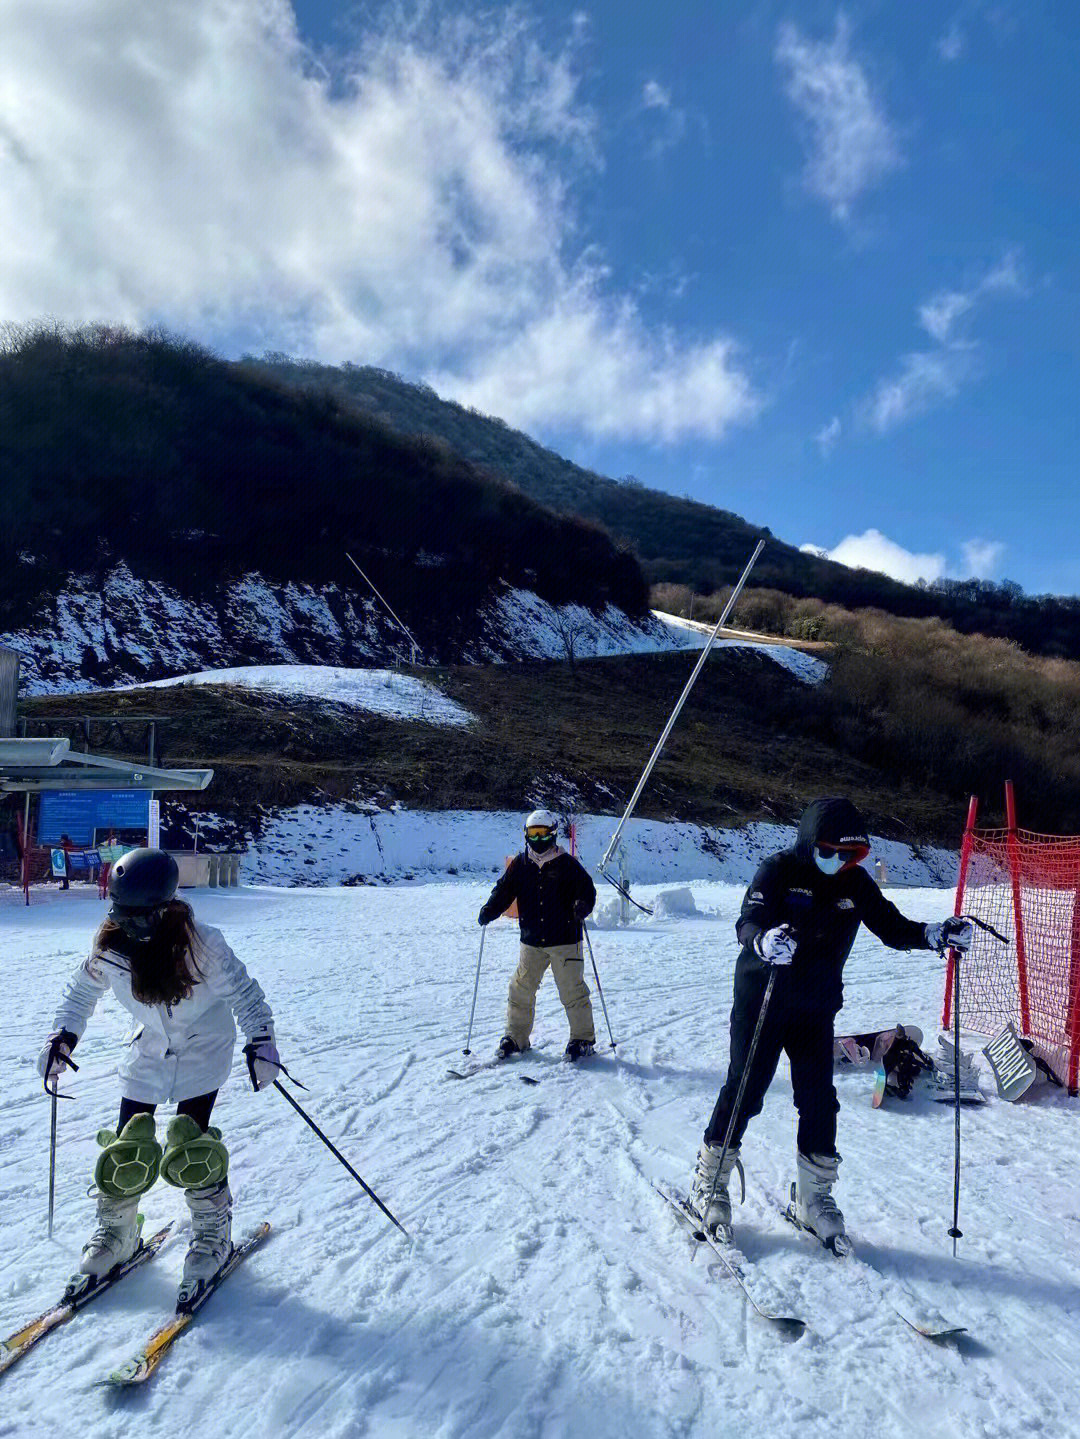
(568, 967)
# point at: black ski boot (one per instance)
(579, 1049)
(507, 1046)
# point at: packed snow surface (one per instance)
(548, 1292)
(382, 692)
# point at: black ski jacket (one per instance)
(545, 895)
(824, 910)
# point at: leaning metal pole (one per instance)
(662, 741)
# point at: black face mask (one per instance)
(139, 925)
(539, 844)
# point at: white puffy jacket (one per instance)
(178, 1050)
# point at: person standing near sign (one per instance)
(184, 986)
(67, 846)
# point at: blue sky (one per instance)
(813, 264)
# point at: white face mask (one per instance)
(829, 863)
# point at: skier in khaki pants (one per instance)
(554, 894)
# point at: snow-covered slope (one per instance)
(806, 666)
(126, 628)
(382, 692)
(548, 1293)
(337, 843)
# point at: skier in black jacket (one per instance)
(801, 915)
(554, 894)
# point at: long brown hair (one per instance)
(164, 969)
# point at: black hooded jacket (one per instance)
(824, 910)
(546, 895)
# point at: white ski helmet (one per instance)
(541, 819)
(541, 829)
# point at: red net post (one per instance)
(1018, 908)
(961, 884)
(1073, 1075)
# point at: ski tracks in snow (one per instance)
(548, 1293)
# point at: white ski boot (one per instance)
(116, 1237)
(211, 1239)
(709, 1196)
(812, 1204)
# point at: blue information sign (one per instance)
(78, 813)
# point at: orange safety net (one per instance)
(1027, 886)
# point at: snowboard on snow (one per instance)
(1012, 1063)
(871, 1046)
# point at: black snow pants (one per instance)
(806, 1037)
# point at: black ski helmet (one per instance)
(143, 879)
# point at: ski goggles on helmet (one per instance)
(539, 831)
(137, 924)
(833, 857)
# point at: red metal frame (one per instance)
(1072, 1023)
(1013, 847)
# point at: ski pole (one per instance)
(476, 987)
(52, 1160)
(339, 1156)
(596, 976)
(743, 1080)
(955, 1232)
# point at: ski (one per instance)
(494, 1063)
(81, 1289)
(142, 1365)
(935, 1329)
(787, 1324)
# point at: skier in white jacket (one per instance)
(183, 985)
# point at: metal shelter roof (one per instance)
(51, 764)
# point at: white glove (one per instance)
(56, 1057)
(957, 932)
(263, 1060)
(776, 946)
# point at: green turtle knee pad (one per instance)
(192, 1159)
(129, 1162)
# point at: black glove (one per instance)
(484, 917)
(582, 909)
(55, 1057)
(903, 1062)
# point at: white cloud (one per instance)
(939, 314)
(827, 437)
(667, 121)
(605, 374)
(953, 43)
(982, 557)
(873, 551)
(190, 163)
(850, 142)
(927, 377)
